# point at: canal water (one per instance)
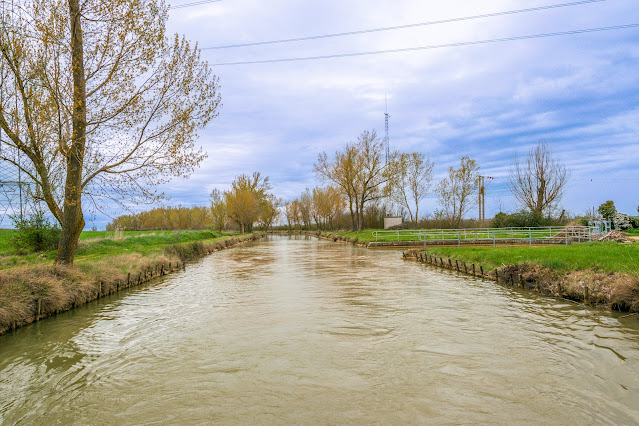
(296, 330)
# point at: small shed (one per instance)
(391, 221)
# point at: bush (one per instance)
(35, 233)
(523, 219)
(622, 222)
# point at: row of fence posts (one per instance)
(507, 278)
(434, 260)
(131, 280)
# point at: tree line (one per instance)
(365, 183)
(246, 204)
(363, 173)
(164, 218)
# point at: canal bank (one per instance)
(31, 293)
(297, 330)
(612, 289)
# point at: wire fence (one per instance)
(531, 235)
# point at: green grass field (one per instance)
(98, 244)
(605, 257)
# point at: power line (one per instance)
(201, 2)
(432, 47)
(399, 27)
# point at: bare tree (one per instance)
(342, 171)
(359, 171)
(269, 211)
(218, 210)
(327, 203)
(292, 211)
(306, 208)
(410, 182)
(374, 172)
(455, 192)
(539, 182)
(101, 104)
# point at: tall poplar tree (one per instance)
(100, 103)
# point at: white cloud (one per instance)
(577, 92)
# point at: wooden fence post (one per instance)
(586, 296)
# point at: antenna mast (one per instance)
(386, 138)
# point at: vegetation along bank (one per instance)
(598, 274)
(31, 287)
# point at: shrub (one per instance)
(35, 233)
(523, 219)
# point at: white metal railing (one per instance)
(565, 233)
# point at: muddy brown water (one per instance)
(296, 330)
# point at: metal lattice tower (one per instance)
(386, 138)
(15, 192)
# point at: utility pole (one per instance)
(482, 197)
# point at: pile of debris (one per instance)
(616, 236)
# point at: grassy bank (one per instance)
(597, 273)
(98, 244)
(602, 257)
(31, 287)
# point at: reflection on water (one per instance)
(295, 330)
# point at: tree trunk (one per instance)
(353, 223)
(72, 217)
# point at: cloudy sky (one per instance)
(577, 92)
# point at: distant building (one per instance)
(389, 222)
